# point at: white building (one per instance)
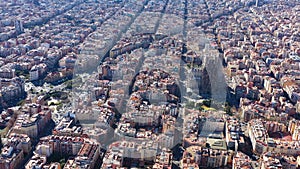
(34, 73)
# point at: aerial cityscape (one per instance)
(156, 84)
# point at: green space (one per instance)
(206, 106)
(57, 157)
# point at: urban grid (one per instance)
(154, 84)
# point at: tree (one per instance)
(62, 162)
(207, 103)
(227, 109)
